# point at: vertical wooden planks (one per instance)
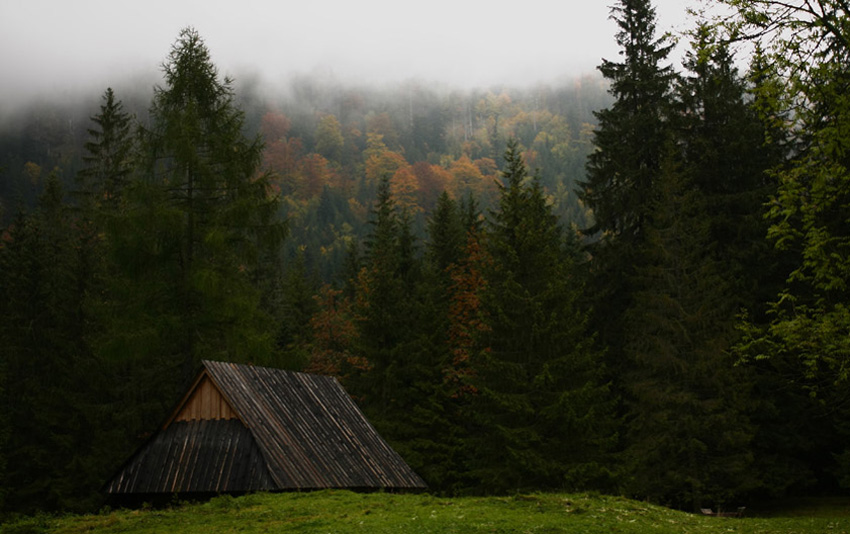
(311, 432)
(205, 403)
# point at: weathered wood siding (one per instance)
(312, 433)
(196, 456)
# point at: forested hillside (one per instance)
(328, 146)
(633, 283)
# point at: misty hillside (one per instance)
(319, 137)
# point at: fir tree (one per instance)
(381, 297)
(53, 389)
(632, 133)
(689, 434)
(401, 389)
(449, 321)
(727, 159)
(630, 139)
(446, 234)
(109, 155)
(541, 413)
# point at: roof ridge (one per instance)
(268, 368)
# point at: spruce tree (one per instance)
(401, 388)
(388, 306)
(632, 133)
(381, 297)
(728, 158)
(109, 156)
(541, 415)
(102, 186)
(688, 437)
(446, 234)
(630, 138)
(449, 311)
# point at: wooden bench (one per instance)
(720, 513)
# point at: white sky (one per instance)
(66, 46)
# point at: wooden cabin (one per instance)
(241, 428)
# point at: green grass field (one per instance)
(344, 512)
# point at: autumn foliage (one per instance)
(467, 320)
(334, 336)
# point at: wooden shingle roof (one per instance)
(245, 428)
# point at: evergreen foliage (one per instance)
(677, 186)
(688, 434)
(542, 414)
(294, 301)
(632, 132)
(631, 139)
(447, 235)
(401, 390)
(727, 157)
(451, 321)
(108, 304)
(52, 383)
(109, 155)
(217, 210)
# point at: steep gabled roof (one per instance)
(246, 428)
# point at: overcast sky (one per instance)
(65, 46)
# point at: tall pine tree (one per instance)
(630, 139)
(688, 434)
(632, 133)
(541, 412)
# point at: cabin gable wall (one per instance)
(206, 403)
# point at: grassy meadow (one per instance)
(344, 512)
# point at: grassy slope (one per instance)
(342, 512)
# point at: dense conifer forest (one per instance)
(635, 283)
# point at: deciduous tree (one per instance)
(807, 336)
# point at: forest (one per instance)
(634, 283)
